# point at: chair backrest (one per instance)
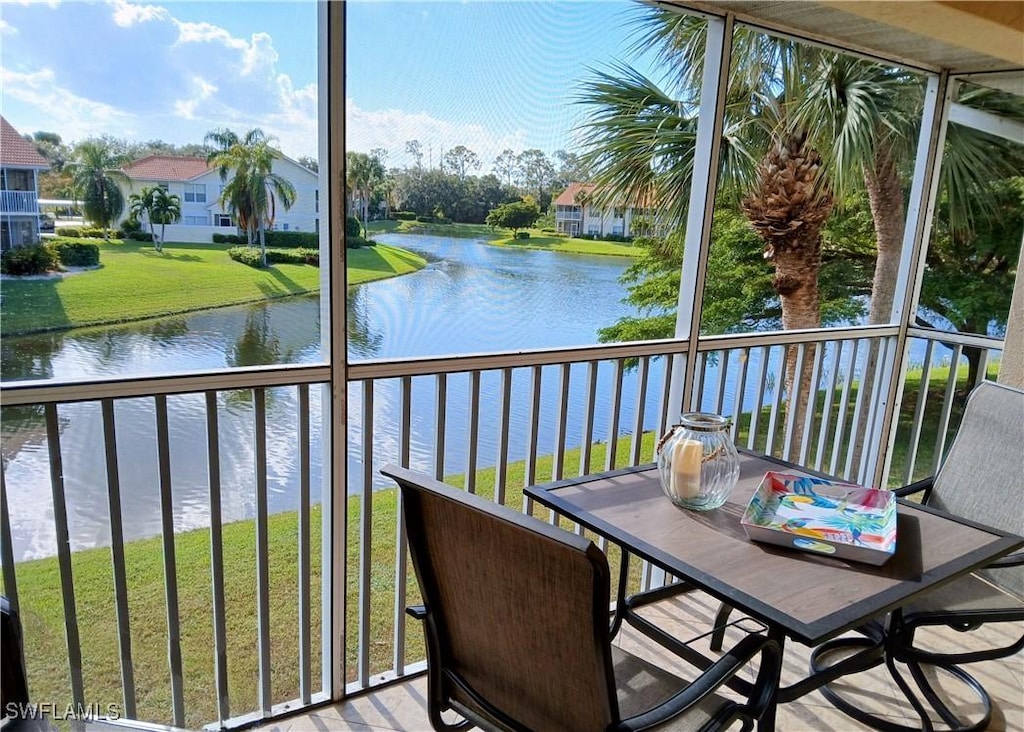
(519, 607)
(982, 477)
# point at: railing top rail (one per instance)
(42, 392)
(35, 392)
(951, 339)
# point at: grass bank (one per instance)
(541, 240)
(39, 589)
(135, 282)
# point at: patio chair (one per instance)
(981, 479)
(516, 619)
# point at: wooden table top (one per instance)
(811, 597)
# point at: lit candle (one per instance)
(686, 460)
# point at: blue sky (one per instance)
(488, 75)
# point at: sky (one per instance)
(487, 75)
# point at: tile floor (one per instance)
(403, 706)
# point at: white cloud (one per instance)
(62, 107)
(392, 128)
(206, 33)
(127, 14)
(6, 29)
(201, 91)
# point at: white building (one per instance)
(199, 187)
(577, 214)
(20, 164)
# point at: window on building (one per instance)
(195, 193)
(194, 220)
(222, 220)
(618, 213)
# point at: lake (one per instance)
(471, 297)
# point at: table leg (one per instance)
(767, 721)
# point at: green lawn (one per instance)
(543, 240)
(135, 282)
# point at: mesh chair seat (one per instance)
(964, 595)
(641, 686)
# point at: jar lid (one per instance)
(704, 421)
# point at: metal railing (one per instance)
(489, 423)
(25, 202)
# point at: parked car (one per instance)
(46, 223)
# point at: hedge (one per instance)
(75, 253)
(32, 260)
(82, 232)
(228, 239)
(251, 256)
(404, 215)
(279, 239)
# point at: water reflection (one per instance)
(470, 298)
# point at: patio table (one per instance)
(810, 598)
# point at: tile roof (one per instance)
(15, 150)
(568, 196)
(165, 168)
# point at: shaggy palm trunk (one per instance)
(885, 195)
(263, 246)
(788, 207)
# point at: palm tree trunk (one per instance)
(163, 230)
(788, 208)
(263, 247)
(885, 196)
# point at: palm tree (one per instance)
(96, 172)
(254, 190)
(159, 207)
(363, 173)
(141, 205)
(165, 208)
(843, 123)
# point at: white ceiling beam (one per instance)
(993, 124)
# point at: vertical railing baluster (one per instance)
(262, 551)
(982, 367)
(304, 548)
(663, 409)
(366, 534)
(762, 382)
(124, 636)
(7, 552)
(723, 370)
(780, 385)
(791, 408)
(699, 374)
(440, 417)
(613, 416)
(401, 541)
(875, 411)
(858, 410)
(826, 410)
(641, 402)
(170, 563)
(532, 427)
(558, 459)
(947, 408)
(589, 401)
(844, 402)
(812, 401)
(220, 633)
(737, 400)
(915, 427)
(473, 432)
(504, 418)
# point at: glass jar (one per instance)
(697, 461)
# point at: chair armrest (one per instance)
(419, 612)
(1010, 560)
(924, 485)
(716, 675)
